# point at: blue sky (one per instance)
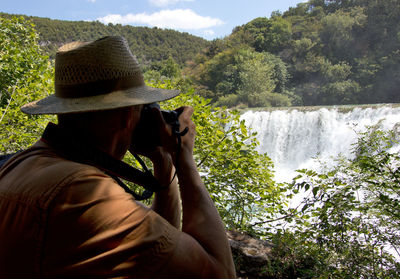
(205, 18)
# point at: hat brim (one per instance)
(116, 99)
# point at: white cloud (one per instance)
(164, 3)
(208, 32)
(172, 19)
(92, 1)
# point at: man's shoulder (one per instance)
(36, 174)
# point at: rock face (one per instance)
(251, 255)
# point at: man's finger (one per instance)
(185, 111)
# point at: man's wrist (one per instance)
(185, 160)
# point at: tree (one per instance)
(269, 35)
(382, 26)
(170, 68)
(167, 68)
(325, 83)
(25, 75)
(352, 213)
(219, 74)
(248, 77)
(148, 44)
(338, 34)
(239, 179)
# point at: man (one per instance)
(64, 218)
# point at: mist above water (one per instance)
(292, 138)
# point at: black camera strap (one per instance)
(71, 148)
(179, 135)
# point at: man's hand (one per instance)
(167, 202)
(169, 142)
(203, 250)
(186, 122)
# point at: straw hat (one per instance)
(98, 75)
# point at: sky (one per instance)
(209, 19)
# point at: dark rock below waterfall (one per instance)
(251, 255)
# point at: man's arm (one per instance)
(167, 202)
(203, 250)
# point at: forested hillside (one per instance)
(148, 44)
(322, 52)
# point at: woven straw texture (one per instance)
(99, 75)
(108, 58)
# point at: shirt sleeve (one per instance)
(97, 230)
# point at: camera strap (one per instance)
(175, 130)
(71, 148)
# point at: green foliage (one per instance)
(25, 75)
(324, 53)
(348, 32)
(239, 179)
(350, 215)
(167, 68)
(229, 100)
(294, 257)
(334, 52)
(170, 68)
(253, 77)
(338, 33)
(268, 35)
(326, 83)
(148, 44)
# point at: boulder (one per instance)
(251, 255)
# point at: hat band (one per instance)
(95, 88)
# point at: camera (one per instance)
(147, 132)
(170, 116)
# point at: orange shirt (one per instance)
(61, 219)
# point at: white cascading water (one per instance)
(292, 138)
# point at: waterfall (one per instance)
(294, 137)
